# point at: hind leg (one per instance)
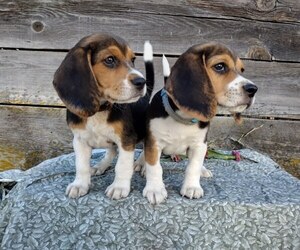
(139, 164)
(205, 172)
(100, 167)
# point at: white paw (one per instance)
(192, 192)
(155, 194)
(205, 172)
(77, 189)
(118, 190)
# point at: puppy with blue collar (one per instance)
(203, 78)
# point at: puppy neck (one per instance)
(171, 109)
(105, 105)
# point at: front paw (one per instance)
(155, 193)
(118, 190)
(192, 192)
(77, 189)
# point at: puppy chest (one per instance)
(98, 133)
(174, 137)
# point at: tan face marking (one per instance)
(220, 81)
(228, 85)
(130, 55)
(115, 80)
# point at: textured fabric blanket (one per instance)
(250, 204)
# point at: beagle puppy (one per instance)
(106, 100)
(203, 78)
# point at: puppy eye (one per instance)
(220, 68)
(110, 61)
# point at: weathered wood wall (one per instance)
(35, 36)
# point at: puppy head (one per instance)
(98, 68)
(206, 76)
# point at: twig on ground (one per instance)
(249, 132)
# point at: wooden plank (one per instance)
(279, 88)
(40, 25)
(283, 11)
(271, 10)
(277, 138)
(26, 78)
(30, 135)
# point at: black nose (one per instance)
(250, 88)
(139, 82)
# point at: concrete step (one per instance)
(250, 204)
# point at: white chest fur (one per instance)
(97, 132)
(175, 138)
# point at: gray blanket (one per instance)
(251, 204)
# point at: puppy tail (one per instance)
(149, 68)
(166, 68)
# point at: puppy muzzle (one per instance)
(138, 82)
(250, 89)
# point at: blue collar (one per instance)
(172, 113)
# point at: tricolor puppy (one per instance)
(203, 78)
(106, 100)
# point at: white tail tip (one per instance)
(166, 66)
(148, 52)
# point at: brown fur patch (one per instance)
(118, 127)
(127, 143)
(196, 114)
(238, 118)
(94, 38)
(151, 151)
(83, 113)
(239, 65)
(110, 79)
(129, 54)
(81, 125)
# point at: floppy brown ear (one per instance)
(190, 88)
(75, 83)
